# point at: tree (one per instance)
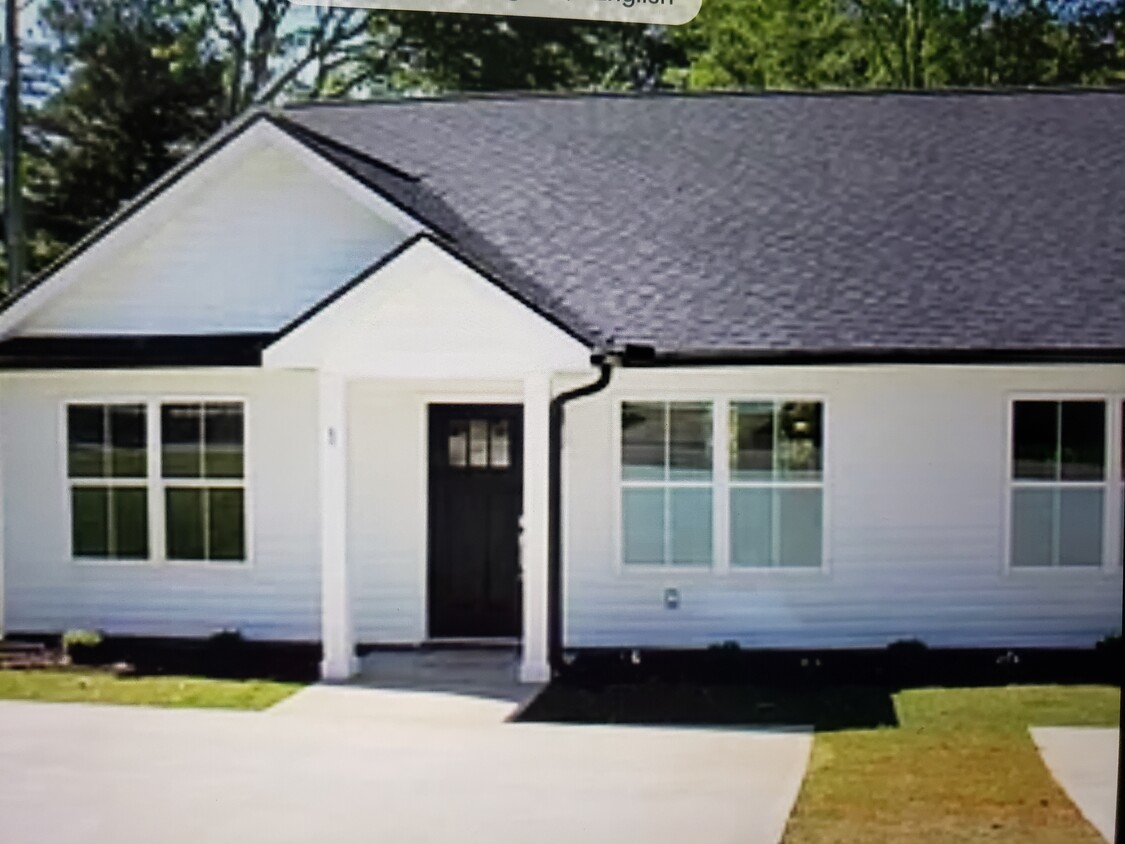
(134, 89)
(772, 44)
(274, 48)
(458, 52)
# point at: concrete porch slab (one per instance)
(1084, 761)
(455, 686)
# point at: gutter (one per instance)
(606, 363)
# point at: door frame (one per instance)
(513, 399)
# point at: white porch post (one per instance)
(534, 667)
(337, 637)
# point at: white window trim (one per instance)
(720, 485)
(155, 483)
(1111, 484)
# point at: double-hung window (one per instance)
(1059, 483)
(776, 484)
(107, 469)
(754, 502)
(202, 471)
(149, 480)
(667, 480)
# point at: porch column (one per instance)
(536, 446)
(337, 637)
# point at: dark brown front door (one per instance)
(476, 496)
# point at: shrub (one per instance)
(77, 643)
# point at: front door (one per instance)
(476, 496)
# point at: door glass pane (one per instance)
(85, 433)
(751, 527)
(689, 446)
(642, 526)
(691, 526)
(751, 446)
(90, 521)
(1080, 527)
(127, 437)
(458, 439)
(478, 442)
(1033, 516)
(800, 519)
(130, 522)
(799, 440)
(181, 438)
(226, 524)
(642, 441)
(499, 451)
(184, 509)
(223, 438)
(1083, 441)
(1035, 438)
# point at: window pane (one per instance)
(642, 441)
(642, 525)
(689, 447)
(181, 437)
(751, 431)
(1035, 437)
(799, 527)
(799, 440)
(227, 524)
(90, 521)
(478, 443)
(127, 438)
(1033, 516)
(498, 450)
(223, 438)
(1080, 527)
(184, 509)
(458, 433)
(751, 527)
(85, 433)
(130, 522)
(691, 526)
(1083, 441)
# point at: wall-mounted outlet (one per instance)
(671, 598)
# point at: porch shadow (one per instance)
(671, 703)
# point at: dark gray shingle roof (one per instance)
(811, 223)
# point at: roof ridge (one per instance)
(718, 93)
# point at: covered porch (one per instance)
(434, 389)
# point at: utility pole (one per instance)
(13, 196)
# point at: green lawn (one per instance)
(960, 766)
(101, 687)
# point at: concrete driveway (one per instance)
(1084, 761)
(82, 773)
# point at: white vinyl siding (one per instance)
(274, 595)
(916, 481)
(261, 239)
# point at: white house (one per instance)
(606, 371)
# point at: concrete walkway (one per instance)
(1084, 761)
(463, 687)
(80, 773)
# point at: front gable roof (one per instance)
(840, 227)
(960, 227)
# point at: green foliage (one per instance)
(134, 90)
(772, 44)
(903, 43)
